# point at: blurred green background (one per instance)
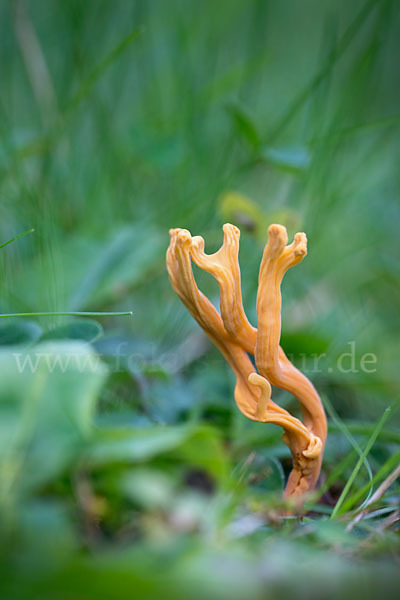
(119, 120)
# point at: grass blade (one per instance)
(17, 237)
(389, 435)
(333, 477)
(70, 314)
(383, 471)
(343, 428)
(101, 67)
(360, 461)
(336, 53)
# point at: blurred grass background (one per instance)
(119, 120)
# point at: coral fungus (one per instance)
(236, 338)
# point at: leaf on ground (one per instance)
(197, 445)
(86, 330)
(21, 332)
(47, 401)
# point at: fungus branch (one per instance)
(235, 337)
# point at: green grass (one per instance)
(17, 237)
(125, 467)
(70, 314)
(360, 461)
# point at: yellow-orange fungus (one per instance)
(235, 337)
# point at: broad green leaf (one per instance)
(21, 332)
(47, 400)
(135, 444)
(194, 445)
(203, 448)
(86, 330)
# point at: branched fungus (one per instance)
(236, 338)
